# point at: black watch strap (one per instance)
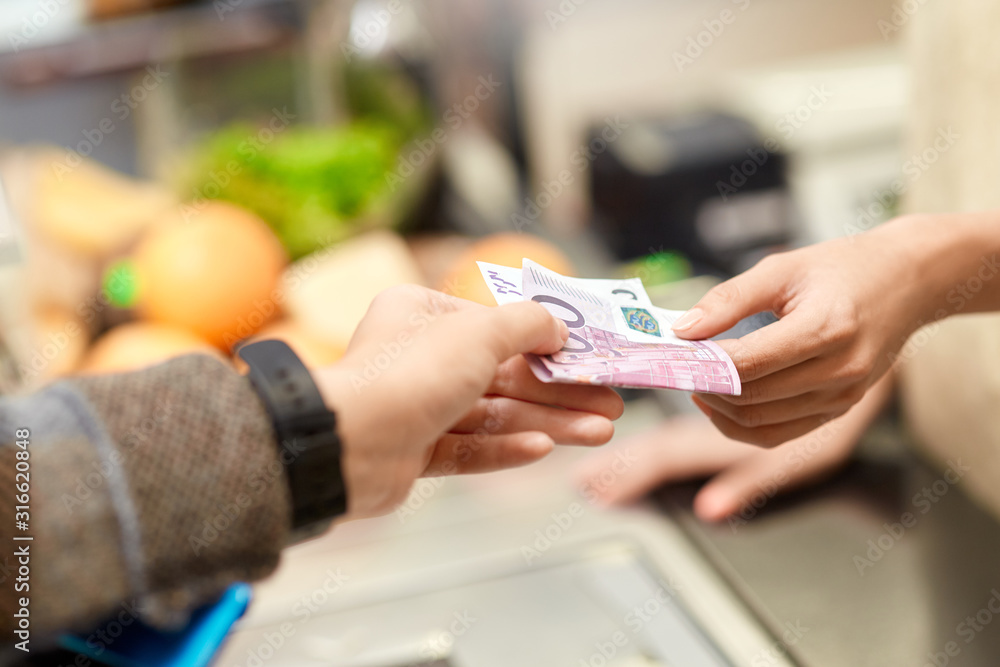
(307, 435)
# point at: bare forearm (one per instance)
(958, 262)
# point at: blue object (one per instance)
(193, 646)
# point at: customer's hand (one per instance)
(846, 307)
(741, 477)
(434, 385)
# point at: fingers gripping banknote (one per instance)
(617, 336)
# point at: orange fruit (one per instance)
(137, 345)
(215, 274)
(464, 279)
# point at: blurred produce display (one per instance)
(261, 228)
(72, 216)
(136, 345)
(212, 271)
(381, 92)
(293, 243)
(313, 186)
(314, 351)
(90, 209)
(55, 326)
(103, 9)
(330, 291)
(660, 268)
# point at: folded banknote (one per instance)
(617, 336)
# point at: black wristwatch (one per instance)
(307, 435)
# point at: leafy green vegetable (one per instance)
(314, 186)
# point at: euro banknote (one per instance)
(618, 338)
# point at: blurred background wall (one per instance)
(956, 65)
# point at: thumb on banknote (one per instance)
(757, 290)
(519, 328)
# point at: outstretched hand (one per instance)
(846, 307)
(740, 476)
(434, 385)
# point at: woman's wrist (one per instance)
(954, 260)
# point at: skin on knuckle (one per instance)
(847, 398)
(728, 428)
(755, 392)
(396, 498)
(836, 412)
(832, 334)
(383, 302)
(598, 400)
(748, 363)
(772, 437)
(389, 294)
(758, 439)
(501, 412)
(842, 325)
(743, 399)
(598, 435)
(508, 377)
(616, 404)
(395, 295)
(725, 294)
(480, 414)
(854, 371)
(390, 492)
(512, 452)
(768, 261)
(606, 433)
(748, 417)
(403, 478)
(868, 362)
(462, 450)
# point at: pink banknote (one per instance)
(618, 337)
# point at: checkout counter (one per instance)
(517, 569)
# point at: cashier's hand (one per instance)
(435, 385)
(845, 307)
(740, 476)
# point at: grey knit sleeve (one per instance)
(150, 492)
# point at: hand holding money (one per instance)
(617, 336)
(845, 309)
(434, 385)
